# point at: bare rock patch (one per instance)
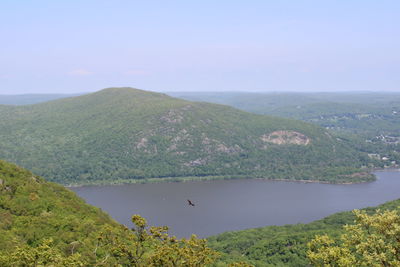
(285, 138)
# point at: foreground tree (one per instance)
(43, 255)
(152, 246)
(140, 246)
(374, 240)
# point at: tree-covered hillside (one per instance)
(367, 121)
(44, 224)
(120, 134)
(284, 245)
(33, 210)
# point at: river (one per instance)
(226, 205)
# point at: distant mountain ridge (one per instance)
(364, 113)
(123, 134)
(29, 99)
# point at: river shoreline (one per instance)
(213, 178)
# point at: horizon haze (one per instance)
(68, 47)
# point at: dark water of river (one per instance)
(236, 204)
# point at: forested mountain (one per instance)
(367, 121)
(284, 245)
(120, 134)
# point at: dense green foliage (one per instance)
(373, 240)
(33, 211)
(368, 122)
(44, 224)
(283, 245)
(121, 134)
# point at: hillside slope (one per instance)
(120, 134)
(32, 210)
(45, 224)
(367, 121)
(367, 114)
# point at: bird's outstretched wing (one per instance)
(190, 203)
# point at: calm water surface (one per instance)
(236, 204)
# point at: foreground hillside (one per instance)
(44, 224)
(120, 134)
(284, 245)
(32, 210)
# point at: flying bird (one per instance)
(190, 203)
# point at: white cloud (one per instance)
(80, 72)
(137, 72)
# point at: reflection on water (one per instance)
(236, 204)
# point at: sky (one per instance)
(71, 46)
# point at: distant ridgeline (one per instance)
(124, 134)
(366, 113)
(29, 99)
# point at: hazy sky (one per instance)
(209, 45)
